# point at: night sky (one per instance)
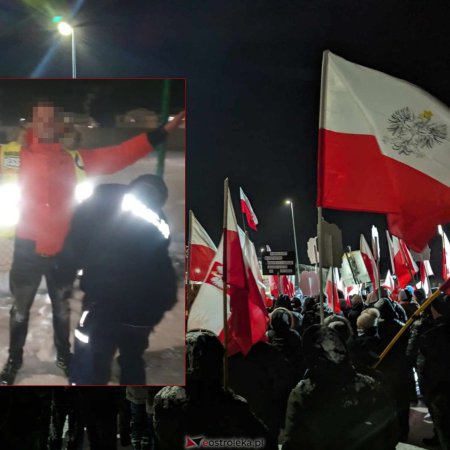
(253, 80)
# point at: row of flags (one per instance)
(381, 130)
(234, 274)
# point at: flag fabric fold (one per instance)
(247, 209)
(445, 257)
(202, 251)
(247, 316)
(369, 261)
(332, 290)
(379, 134)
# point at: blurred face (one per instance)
(48, 123)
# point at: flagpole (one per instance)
(243, 221)
(442, 289)
(188, 272)
(319, 237)
(323, 82)
(225, 283)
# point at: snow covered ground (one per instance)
(165, 355)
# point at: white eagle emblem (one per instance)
(414, 134)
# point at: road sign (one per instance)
(278, 263)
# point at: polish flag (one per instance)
(287, 285)
(369, 261)
(332, 291)
(425, 271)
(445, 256)
(202, 251)
(403, 263)
(389, 282)
(247, 209)
(246, 316)
(379, 134)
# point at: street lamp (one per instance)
(66, 30)
(289, 202)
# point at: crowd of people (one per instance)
(309, 386)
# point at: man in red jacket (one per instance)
(48, 180)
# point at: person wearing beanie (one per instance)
(419, 296)
(408, 304)
(355, 310)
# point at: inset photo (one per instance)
(92, 207)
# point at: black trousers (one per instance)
(26, 274)
(92, 361)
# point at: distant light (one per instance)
(287, 202)
(22, 119)
(90, 126)
(65, 29)
(262, 249)
(57, 19)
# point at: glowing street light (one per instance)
(67, 30)
(289, 202)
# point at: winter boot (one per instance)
(9, 372)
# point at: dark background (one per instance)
(253, 79)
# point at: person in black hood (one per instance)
(395, 366)
(357, 413)
(434, 345)
(119, 238)
(285, 339)
(203, 409)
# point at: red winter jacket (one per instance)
(47, 180)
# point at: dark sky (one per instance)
(253, 79)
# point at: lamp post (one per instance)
(289, 202)
(66, 30)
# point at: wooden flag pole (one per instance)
(319, 237)
(323, 83)
(225, 282)
(444, 287)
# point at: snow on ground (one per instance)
(165, 355)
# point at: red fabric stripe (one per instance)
(200, 260)
(354, 175)
(246, 210)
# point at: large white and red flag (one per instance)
(201, 250)
(332, 290)
(369, 261)
(247, 316)
(404, 266)
(247, 209)
(379, 134)
(445, 255)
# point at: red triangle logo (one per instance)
(189, 443)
